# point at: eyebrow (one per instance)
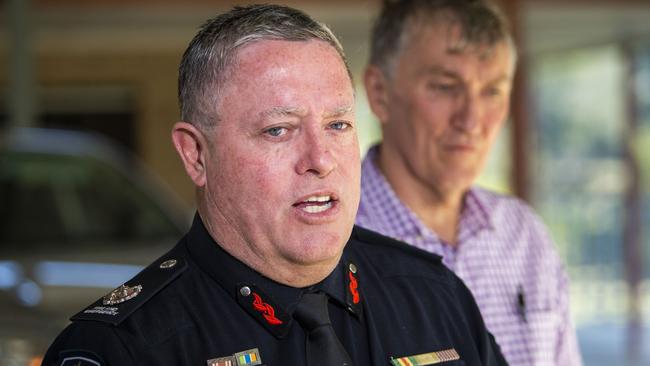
(276, 112)
(340, 111)
(283, 112)
(441, 71)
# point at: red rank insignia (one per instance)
(267, 310)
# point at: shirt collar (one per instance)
(475, 215)
(270, 302)
(379, 198)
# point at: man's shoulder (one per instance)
(381, 244)
(500, 202)
(120, 303)
(399, 273)
(103, 330)
(518, 214)
(391, 257)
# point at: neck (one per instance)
(276, 268)
(439, 209)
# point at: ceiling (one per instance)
(121, 26)
(551, 27)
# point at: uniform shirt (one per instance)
(503, 254)
(386, 299)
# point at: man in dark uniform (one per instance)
(272, 271)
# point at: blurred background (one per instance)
(91, 189)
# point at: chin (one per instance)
(460, 177)
(319, 246)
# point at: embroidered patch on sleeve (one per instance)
(79, 358)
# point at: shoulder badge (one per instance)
(79, 358)
(118, 304)
(121, 294)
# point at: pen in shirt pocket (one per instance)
(521, 303)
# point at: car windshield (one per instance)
(50, 199)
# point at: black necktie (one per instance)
(323, 346)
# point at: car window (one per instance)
(68, 199)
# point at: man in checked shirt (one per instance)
(439, 81)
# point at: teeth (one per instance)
(317, 209)
(318, 199)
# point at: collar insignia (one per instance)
(352, 296)
(121, 294)
(423, 359)
(262, 307)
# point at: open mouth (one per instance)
(315, 204)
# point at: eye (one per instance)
(493, 92)
(339, 125)
(275, 131)
(442, 87)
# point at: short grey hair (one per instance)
(481, 24)
(203, 70)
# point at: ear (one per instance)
(191, 145)
(376, 86)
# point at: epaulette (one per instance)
(118, 304)
(372, 237)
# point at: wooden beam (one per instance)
(89, 4)
(632, 207)
(519, 110)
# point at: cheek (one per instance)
(245, 178)
(259, 178)
(430, 115)
(401, 104)
(350, 159)
(499, 108)
(495, 118)
(350, 166)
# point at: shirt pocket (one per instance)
(542, 332)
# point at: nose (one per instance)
(467, 116)
(315, 155)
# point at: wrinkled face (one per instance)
(283, 169)
(444, 108)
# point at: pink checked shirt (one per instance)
(504, 255)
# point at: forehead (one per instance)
(287, 74)
(444, 39)
(267, 54)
